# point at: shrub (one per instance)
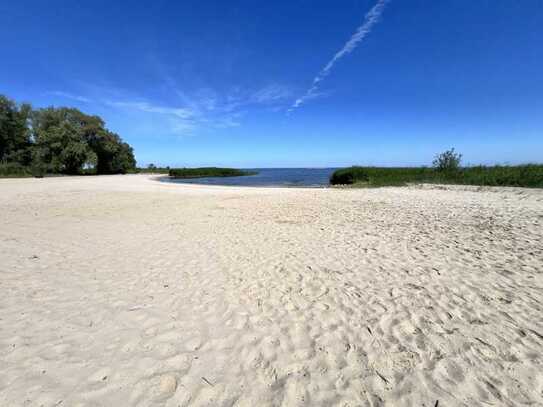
(448, 161)
(11, 169)
(349, 176)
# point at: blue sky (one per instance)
(217, 82)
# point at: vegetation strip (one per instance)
(446, 170)
(529, 175)
(208, 172)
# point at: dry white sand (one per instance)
(120, 291)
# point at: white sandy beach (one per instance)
(124, 291)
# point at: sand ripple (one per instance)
(124, 291)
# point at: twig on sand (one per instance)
(207, 381)
(536, 333)
(383, 378)
(137, 307)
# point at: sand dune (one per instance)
(121, 290)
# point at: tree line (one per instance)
(60, 140)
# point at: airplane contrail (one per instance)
(371, 18)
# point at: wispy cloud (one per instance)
(208, 108)
(71, 96)
(270, 94)
(220, 108)
(202, 113)
(187, 112)
(182, 113)
(371, 18)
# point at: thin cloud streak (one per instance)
(182, 121)
(371, 18)
(149, 108)
(270, 94)
(199, 110)
(69, 96)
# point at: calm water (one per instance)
(269, 177)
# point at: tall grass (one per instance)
(529, 175)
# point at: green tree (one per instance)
(59, 140)
(14, 132)
(71, 141)
(113, 155)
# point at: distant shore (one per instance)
(204, 172)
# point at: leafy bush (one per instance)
(448, 161)
(350, 175)
(14, 170)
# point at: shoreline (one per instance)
(347, 187)
(167, 180)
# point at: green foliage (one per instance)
(529, 175)
(152, 169)
(350, 175)
(113, 156)
(379, 176)
(14, 131)
(13, 169)
(448, 161)
(60, 140)
(207, 172)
